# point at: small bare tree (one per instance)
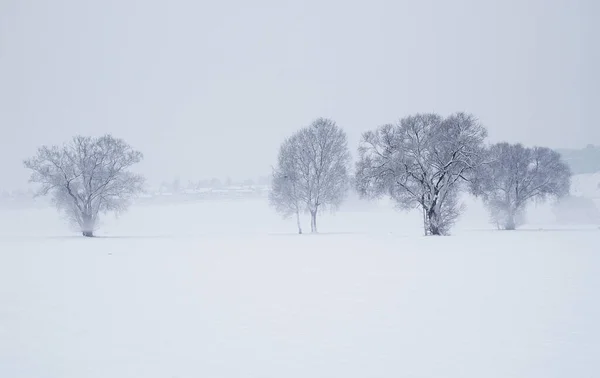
(313, 171)
(86, 177)
(324, 163)
(286, 194)
(420, 163)
(516, 175)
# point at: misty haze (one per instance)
(299, 189)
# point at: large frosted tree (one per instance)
(516, 175)
(86, 177)
(420, 162)
(312, 171)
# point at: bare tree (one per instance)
(516, 175)
(316, 169)
(86, 177)
(324, 161)
(420, 163)
(286, 194)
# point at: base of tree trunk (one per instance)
(434, 231)
(88, 234)
(313, 222)
(510, 223)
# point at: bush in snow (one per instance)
(576, 210)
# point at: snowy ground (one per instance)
(228, 290)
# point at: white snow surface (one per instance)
(226, 289)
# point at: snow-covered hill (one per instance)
(587, 185)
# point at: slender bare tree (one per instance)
(324, 163)
(286, 194)
(313, 171)
(86, 177)
(516, 175)
(420, 163)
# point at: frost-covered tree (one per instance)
(420, 163)
(286, 195)
(86, 177)
(516, 175)
(324, 164)
(315, 164)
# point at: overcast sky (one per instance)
(210, 88)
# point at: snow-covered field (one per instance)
(226, 289)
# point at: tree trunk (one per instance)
(313, 221)
(510, 222)
(298, 223)
(87, 226)
(433, 222)
(434, 230)
(425, 221)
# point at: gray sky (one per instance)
(207, 88)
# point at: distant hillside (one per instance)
(586, 185)
(586, 160)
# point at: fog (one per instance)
(433, 250)
(209, 89)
